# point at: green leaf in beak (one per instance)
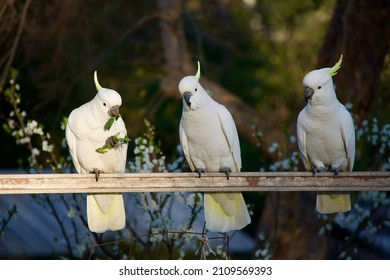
(124, 140)
(109, 123)
(103, 149)
(113, 142)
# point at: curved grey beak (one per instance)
(187, 96)
(308, 93)
(114, 111)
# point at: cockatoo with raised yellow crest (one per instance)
(210, 142)
(95, 148)
(326, 135)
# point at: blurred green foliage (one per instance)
(258, 52)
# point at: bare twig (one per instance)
(15, 44)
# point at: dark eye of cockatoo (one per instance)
(319, 87)
(104, 104)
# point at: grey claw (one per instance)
(97, 173)
(335, 171)
(225, 170)
(200, 171)
(318, 170)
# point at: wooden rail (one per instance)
(189, 182)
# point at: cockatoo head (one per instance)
(318, 84)
(192, 92)
(106, 101)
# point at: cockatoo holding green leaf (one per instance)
(96, 136)
(210, 143)
(326, 135)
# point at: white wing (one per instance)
(230, 131)
(72, 143)
(348, 134)
(185, 146)
(301, 135)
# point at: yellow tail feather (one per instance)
(225, 211)
(333, 203)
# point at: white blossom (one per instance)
(21, 132)
(38, 131)
(137, 140)
(46, 147)
(32, 124)
(23, 140)
(11, 124)
(273, 148)
(35, 152)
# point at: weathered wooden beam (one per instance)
(189, 182)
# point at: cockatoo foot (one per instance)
(225, 170)
(114, 143)
(97, 173)
(334, 170)
(200, 171)
(318, 170)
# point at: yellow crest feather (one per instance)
(98, 86)
(198, 72)
(336, 67)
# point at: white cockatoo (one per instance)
(86, 132)
(326, 135)
(210, 142)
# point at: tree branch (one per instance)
(15, 44)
